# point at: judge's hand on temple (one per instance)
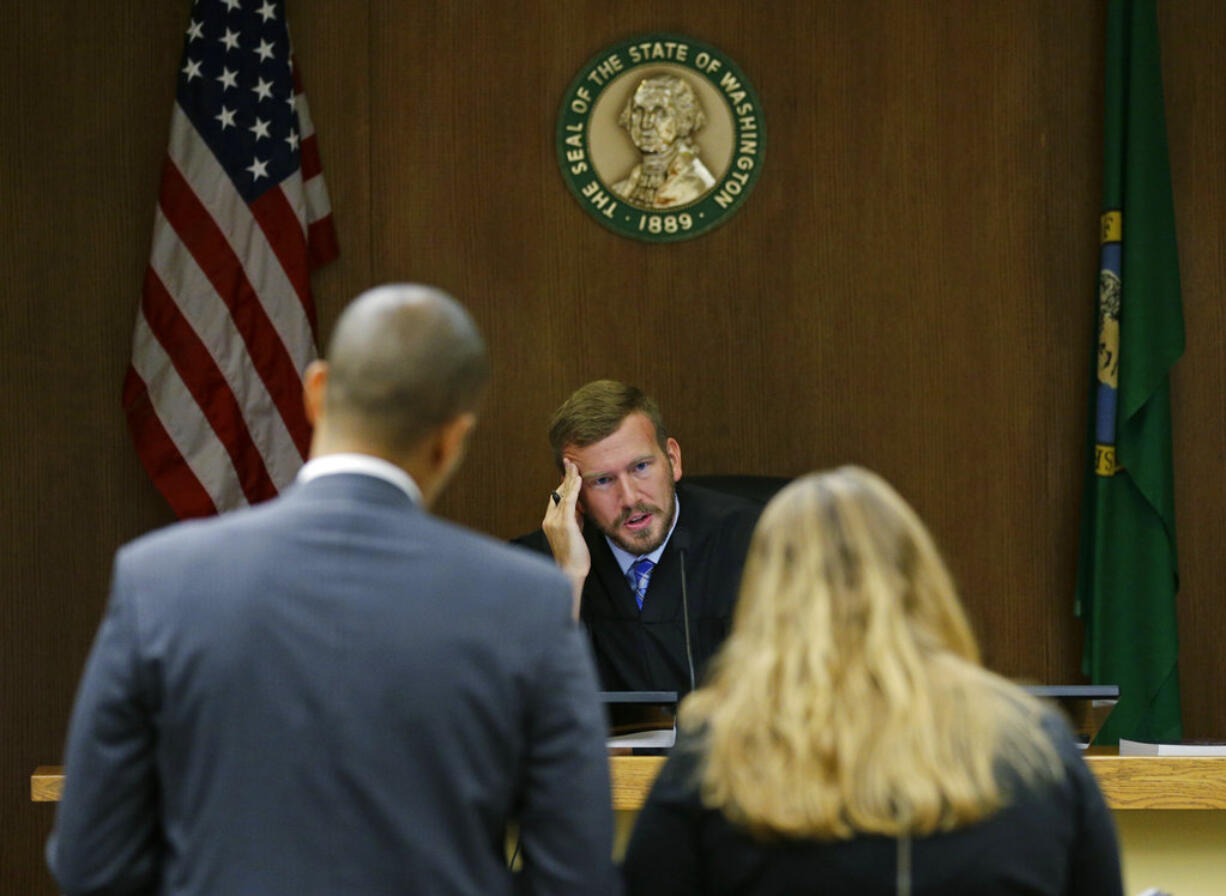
(563, 527)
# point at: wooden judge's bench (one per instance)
(1170, 811)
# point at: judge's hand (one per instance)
(563, 527)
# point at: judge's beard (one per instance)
(643, 542)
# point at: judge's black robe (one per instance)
(645, 651)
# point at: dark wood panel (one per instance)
(85, 130)
(1196, 129)
(909, 287)
(332, 49)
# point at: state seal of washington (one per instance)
(660, 137)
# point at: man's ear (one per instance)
(451, 440)
(444, 452)
(673, 450)
(314, 384)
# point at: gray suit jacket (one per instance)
(332, 693)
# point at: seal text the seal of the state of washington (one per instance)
(660, 137)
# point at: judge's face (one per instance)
(629, 484)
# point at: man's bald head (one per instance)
(404, 360)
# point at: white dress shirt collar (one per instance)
(364, 464)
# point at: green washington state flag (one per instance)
(1127, 575)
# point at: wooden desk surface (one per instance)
(46, 782)
(1127, 782)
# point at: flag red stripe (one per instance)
(161, 458)
(284, 233)
(208, 386)
(321, 242)
(212, 251)
(308, 154)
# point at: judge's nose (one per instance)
(625, 492)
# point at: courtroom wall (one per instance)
(909, 287)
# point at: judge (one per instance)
(640, 546)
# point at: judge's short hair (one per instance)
(595, 411)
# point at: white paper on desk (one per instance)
(660, 739)
(1141, 748)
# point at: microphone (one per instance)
(681, 541)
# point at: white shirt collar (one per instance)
(625, 559)
(366, 465)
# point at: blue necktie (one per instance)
(639, 576)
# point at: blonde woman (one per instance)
(848, 740)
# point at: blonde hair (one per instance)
(849, 696)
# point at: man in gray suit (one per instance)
(335, 692)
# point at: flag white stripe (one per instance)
(291, 187)
(306, 127)
(318, 205)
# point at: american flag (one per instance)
(226, 325)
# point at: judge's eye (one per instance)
(601, 481)
(642, 466)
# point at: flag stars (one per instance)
(226, 117)
(230, 39)
(292, 140)
(195, 31)
(264, 50)
(192, 70)
(263, 89)
(228, 79)
(232, 5)
(258, 169)
(260, 129)
(267, 11)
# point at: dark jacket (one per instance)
(645, 651)
(1055, 839)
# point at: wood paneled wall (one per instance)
(909, 287)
